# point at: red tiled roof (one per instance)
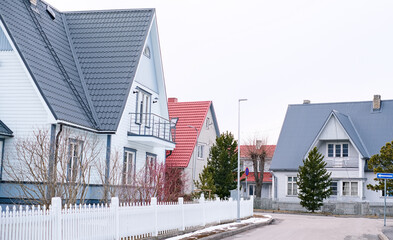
(267, 177)
(244, 149)
(189, 114)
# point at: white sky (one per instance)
(273, 52)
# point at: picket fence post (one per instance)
(154, 206)
(181, 204)
(56, 212)
(115, 212)
(202, 202)
(252, 205)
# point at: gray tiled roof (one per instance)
(369, 130)
(4, 130)
(99, 50)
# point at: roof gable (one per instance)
(99, 51)
(368, 130)
(190, 115)
(339, 126)
(4, 130)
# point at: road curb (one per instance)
(237, 231)
(382, 236)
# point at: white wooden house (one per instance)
(347, 134)
(94, 72)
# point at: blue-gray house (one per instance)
(346, 133)
(96, 74)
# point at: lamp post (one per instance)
(238, 163)
(194, 162)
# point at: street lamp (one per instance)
(238, 163)
(194, 162)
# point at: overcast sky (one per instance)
(272, 52)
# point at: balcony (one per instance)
(152, 129)
(346, 162)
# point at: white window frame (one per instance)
(294, 190)
(337, 188)
(129, 166)
(200, 151)
(151, 160)
(143, 108)
(351, 183)
(334, 149)
(75, 159)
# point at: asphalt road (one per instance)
(304, 227)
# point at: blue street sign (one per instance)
(247, 171)
(385, 175)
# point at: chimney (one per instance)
(377, 102)
(172, 100)
(306, 101)
(258, 144)
(33, 2)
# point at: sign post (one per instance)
(247, 172)
(384, 176)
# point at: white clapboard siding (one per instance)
(22, 109)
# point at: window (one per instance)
(330, 150)
(333, 186)
(251, 190)
(146, 52)
(151, 166)
(75, 162)
(129, 165)
(338, 150)
(208, 123)
(345, 150)
(200, 151)
(292, 186)
(350, 188)
(143, 108)
(390, 192)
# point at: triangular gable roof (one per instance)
(188, 114)
(99, 50)
(346, 124)
(303, 122)
(350, 129)
(4, 130)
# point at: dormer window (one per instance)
(146, 52)
(338, 150)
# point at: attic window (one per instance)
(146, 52)
(51, 13)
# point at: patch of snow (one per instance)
(223, 227)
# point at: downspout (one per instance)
(54, 166)
(107, 166)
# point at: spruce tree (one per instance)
(223, 163)
(313, 181)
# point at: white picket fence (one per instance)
(127, 221)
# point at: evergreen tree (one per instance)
(382, 163)
(223, 164)
(206, 182)
(313, 181)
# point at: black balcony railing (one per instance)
(149, 124)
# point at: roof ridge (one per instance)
(302, 104)
(109, 10)
(80, 73)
